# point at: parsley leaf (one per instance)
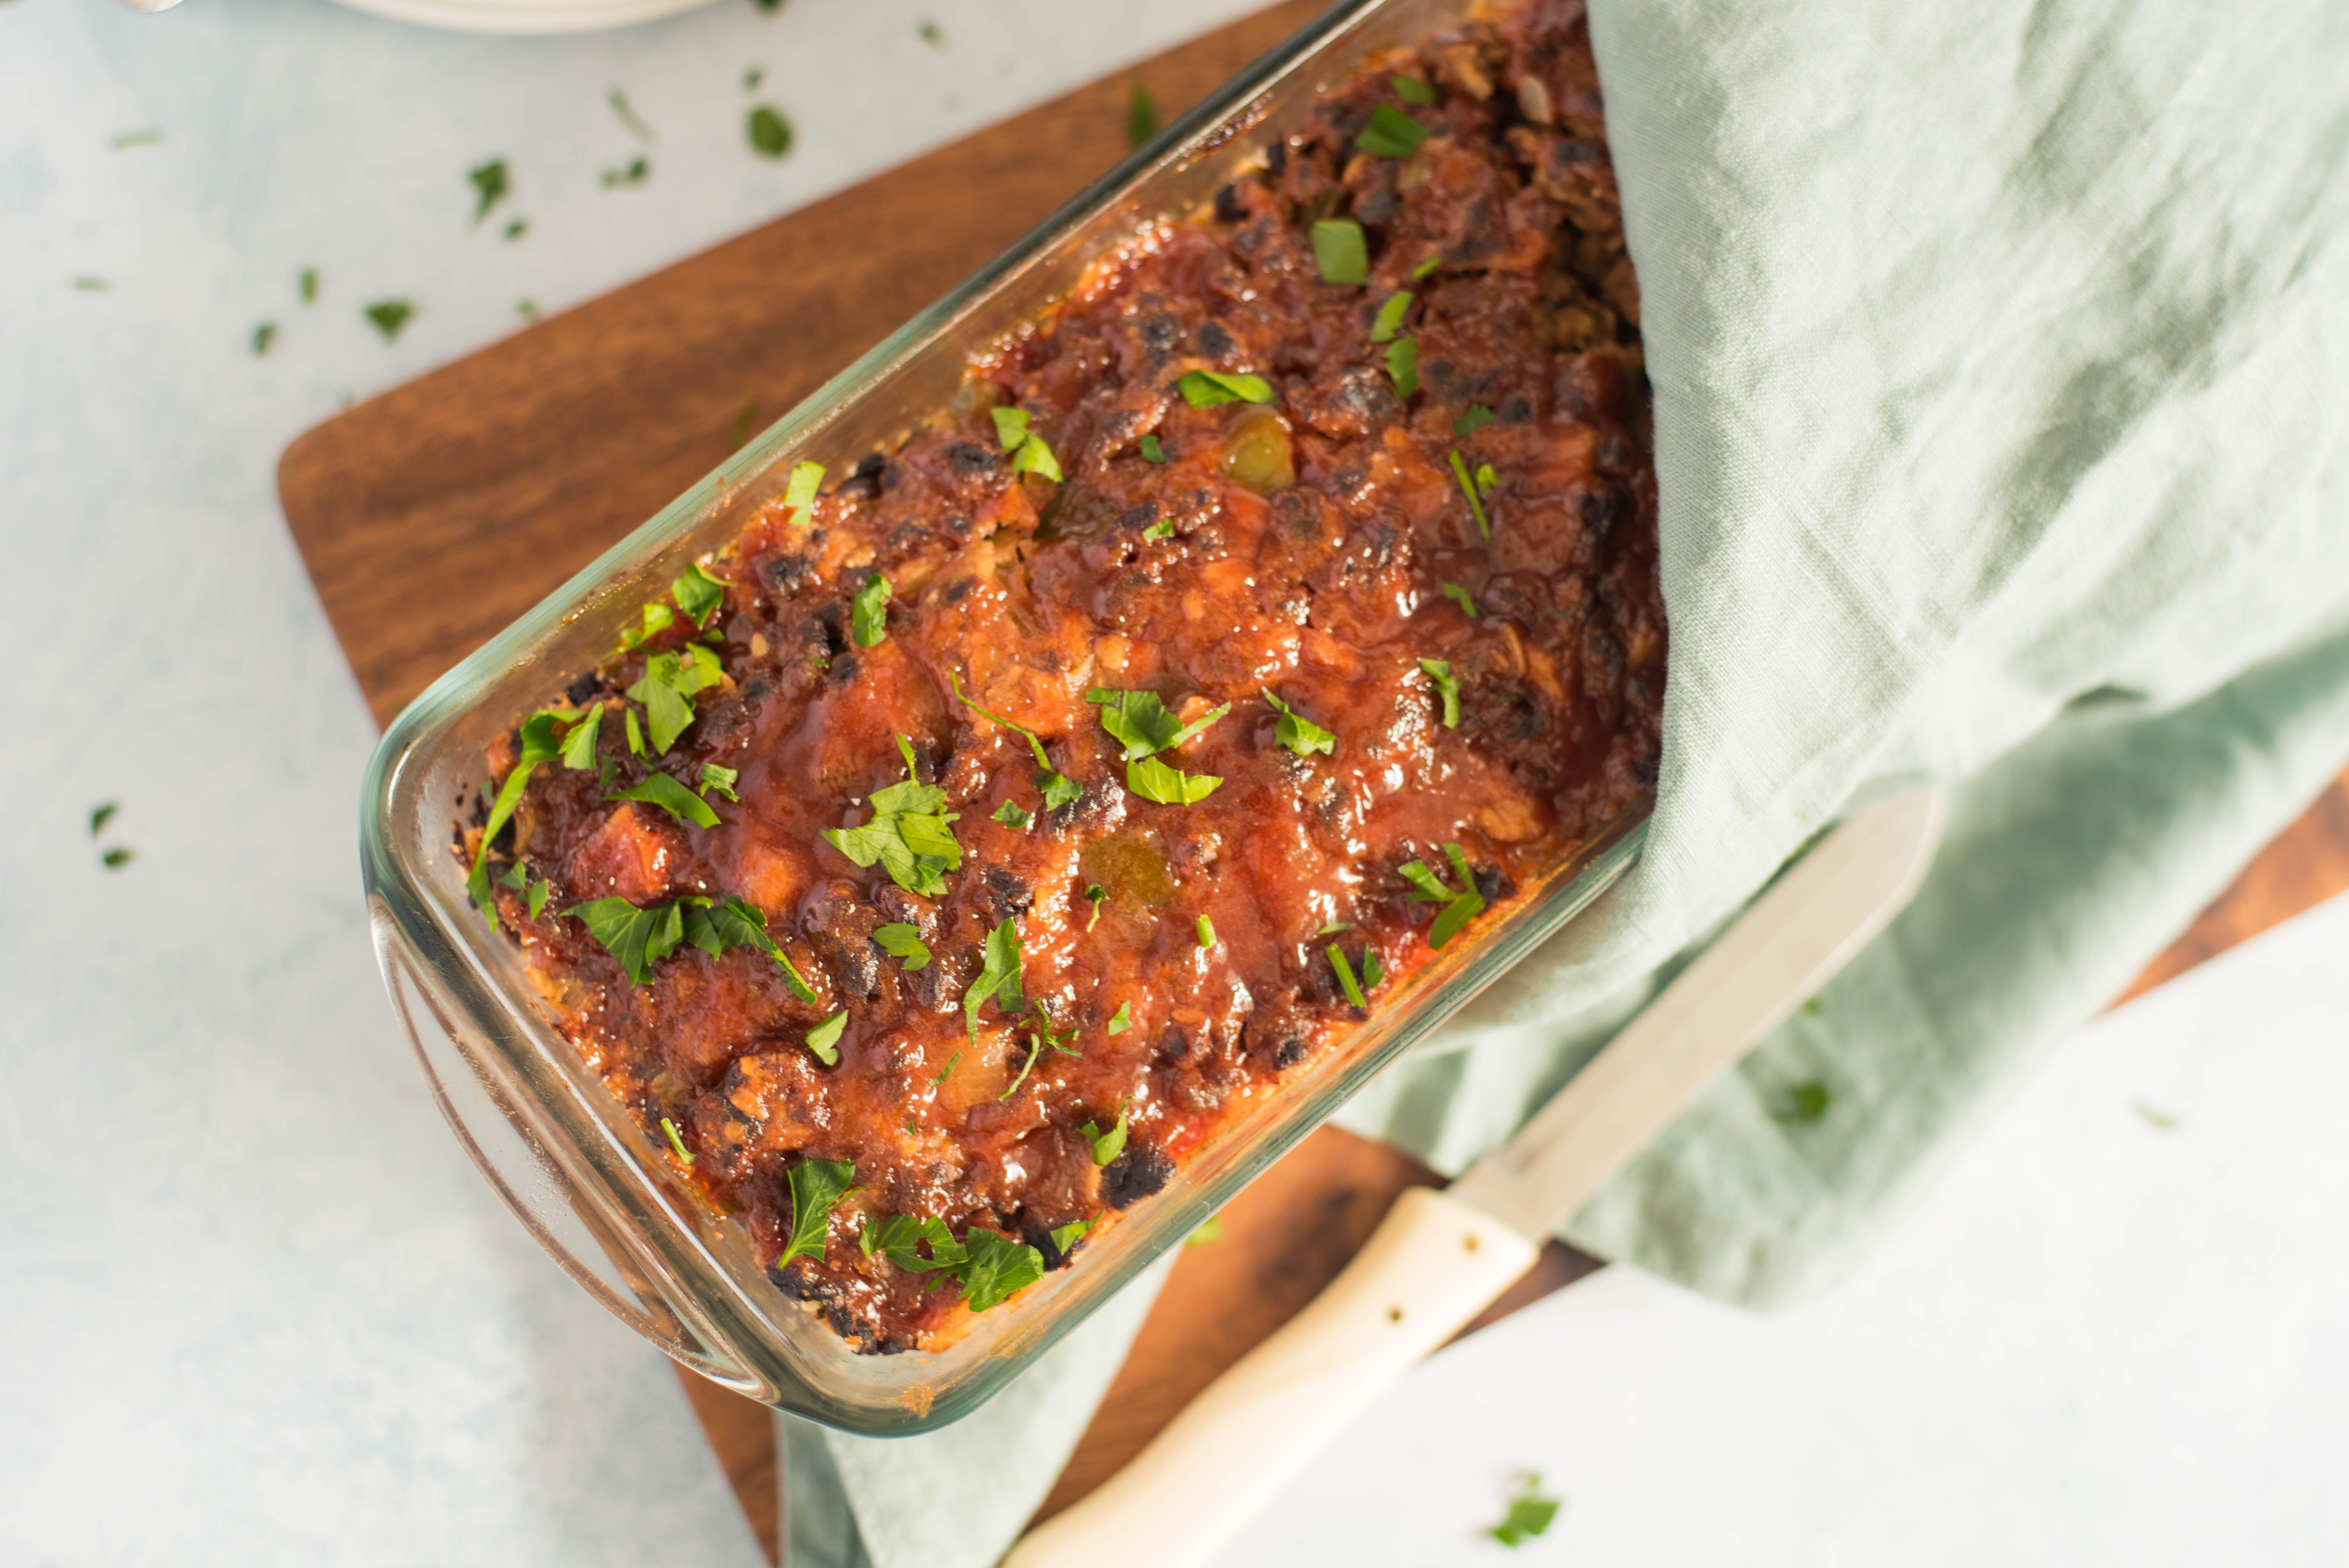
(1429, 888)
(1163, 529)
(114, 860)
(539, 892)
(1411, 90)
(1339, 252)
(1029, 455)
(1140, 722)
(899, 940)
(1069, 1235)
(913, 841)
(1206, 929)
(698, 592)
(770, 132)
(868, 618)
(675, 1141)
(1802, 1104)
(1334, 926)
(489, 186)
(538, 744)
(824, 1038)
(1461, 596)
(714, 928)
(1529, 1514)
(660, 789)
(1059, 788)
(720, 779)
(1141, 116)
(635, 736)
(1109, 1142)
(1013, 815)
(1461, 910)
(638, 938)
(634, 172)
(817, 1188)
(1473, 491)
(896, 1236)
(1475, 420)
(1098, 895)
(798, 495)
(1447, 689)
(101, 815)
(1122, 1019)
(306, 284)
(1388, 320)
(579, 746)
(1403, 366)
(999, 976)
(1345, 980)
(996, 1268)
(1152, 452)
(666, 688)
(1298, 733)
(1390, 133)
(656, 617)
(389, 315)
(1154, 780)
(1011, 427)
(1207, 388)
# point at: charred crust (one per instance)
(1139, 1173)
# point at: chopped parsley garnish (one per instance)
(1475, 420)
(1029, 455)
(526, 309)
(908, 835)
(1141, 116)
(1345, 980)
(714, 927)
(1487, 478)
(1058, 787)
(1206, 932)
(114, 860)
(1069, 1235)
(653, 617)
(517, 228)
(135, 139)
(1388, 320)
(489, 187)
(1529, 1514)
(1122, 1019)
(636, 171)
(1013, 815)
(1035, 1049)
(1155, 780)
(1447, 689)
(817, 1188)
(1139, 720)
(868, 612)
(1462, 597)
(660, 789)
(539, 892)
(798, 495)
(1426, 269)
(93, 286)
(720, 781)
(1459, 908)
(1298, 733)
(1206, 1232)
(628, 116)
(1109, 1142)
(698, 593)
(1473, 489)
(1403, 366)
(1152, 452)
(389, 315)
(537, 743)
(999, 976)
(100, 816)
(931, 32)
(306, 285)
(675, 1141)
(946, 1071)
(1334, 926)
(667, 689)
(901, 941)
(1339, 252)
(262, 336)
(996, 1267)
(1411, 90)
(635, 736)
(1390, 133)
(751, 77)
(824, 1038)
(1096, 895)
(770, 132)
(1207, 388)
(1163, 529)
(638, 938)
(1802, 1104)
(897, 1238)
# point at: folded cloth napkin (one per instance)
(2001, 358)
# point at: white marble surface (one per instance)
(254, 1308)
(2097, 1341)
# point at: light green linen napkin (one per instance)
(2001, 356)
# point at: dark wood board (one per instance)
(433, 514)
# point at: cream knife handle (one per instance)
(1430, 1266)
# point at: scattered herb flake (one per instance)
(1390, 133)
(1403, 366)
(751, 77)
(1109, 1142)
(114, 860)
(1475, 420)
(1122, 1019)
(869, 617)
(1411, 90)
(638, 938)
(635, 736)
(1155, 780)
(93, 286)
(262, 336)
(1096, 895)
(1207, 388)
(1487, 478)
(698, 592)
(1298, 733)
(1468, 487)
(1034, 457)
(903, 941)
(660, 789)
(516, 229)
(1163, 529)
(798, 495)
(998, 974)
(720, 779)
(996, 1268)
(1208, 1232)
(770, 132)
(824, 1038)
(1011, 815)
(2160, 1120)
(489, 187)
(1345, 980)
(527, 309)
(1389, 321)
(817, 1188)
(1139, 721)
(130, 139)
(1069, 1235)
(100, 816)
(1141, 116)
(1059, 789)
(1339, 252)
(389, 317)
(1802, 1104)
(1206, 932)
(930, 33)
(675, 1141)
(1152, 452)
(1529, 1514)
(1447, 689)
(628, 116)
(1462, 597)
(1035, 1049)
(908, 836)
(1426, 269)
(1461, 910)
(306, 285)
(1372, 970)
(946, 1071)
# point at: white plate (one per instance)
(525, 16)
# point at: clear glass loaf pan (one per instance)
(564, 1155)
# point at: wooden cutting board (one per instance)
(433, 514)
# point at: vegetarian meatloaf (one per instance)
(937, 867)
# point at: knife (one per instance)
(1440, 1258)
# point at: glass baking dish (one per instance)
(565, 1156)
